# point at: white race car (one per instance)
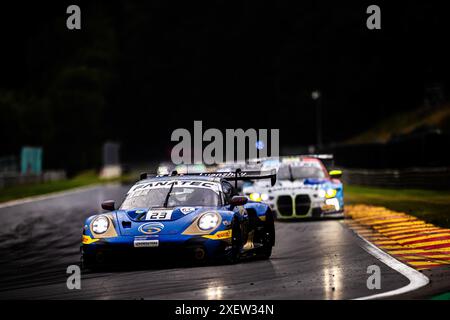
(304, 188)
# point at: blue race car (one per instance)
(181, 216)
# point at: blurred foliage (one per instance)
(62, 106)
(137, 70)
(407, 122)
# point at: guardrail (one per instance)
(13, 179)
(423, 178)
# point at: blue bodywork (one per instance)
(179, 234)
(326, 184)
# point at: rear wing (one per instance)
(245, 175)
(238, 175)
(301, 156)
(327, 159)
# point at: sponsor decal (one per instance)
(159, 215)
(300, 187)
(186, 210)
(146, 243)
(151, 228)
(223, 174)
(311, 163)
(219, 235)
(177, 183)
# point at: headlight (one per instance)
(322, 193)
(331, 193)
(100, 224)
(208, 221)
(255, 196)
(163, 170)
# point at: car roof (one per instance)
(183, 177)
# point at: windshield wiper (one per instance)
(141, 215)
(168, 195)
(291, 176)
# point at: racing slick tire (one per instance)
(92, 262)
(269, 236)
(87, 262)
(236, 243)
(316, 213)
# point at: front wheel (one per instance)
(236, 242)
(268, 236)
(87, 262)
(92, 262)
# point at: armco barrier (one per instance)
(424, 178)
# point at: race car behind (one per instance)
(304, 188)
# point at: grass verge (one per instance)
(84, 179)
(444, 296)
(428, 205)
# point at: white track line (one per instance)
(416, 279)
(47, 196)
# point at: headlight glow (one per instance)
(163, 170)
(208, 221)
(100, 224)
(255, 196)
(322, 193)
(331, 193)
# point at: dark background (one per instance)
(137, 70)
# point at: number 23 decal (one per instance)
(159, 215)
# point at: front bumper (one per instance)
(298, 206)
(177, 248)
(314, 213)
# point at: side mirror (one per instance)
(108, 205)
(336, 174)
(238, 201)
(273, 180)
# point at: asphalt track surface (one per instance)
(311, 260)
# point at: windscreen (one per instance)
(292, 172)
(302, 172)
(158, 197)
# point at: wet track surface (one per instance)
(311, 260)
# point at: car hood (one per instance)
(304, 185)
(176, 220)
(296, 184)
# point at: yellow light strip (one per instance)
(219, 235)
(88, 240)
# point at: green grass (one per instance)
(84, 179)
(444, 296)
(429, 205)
